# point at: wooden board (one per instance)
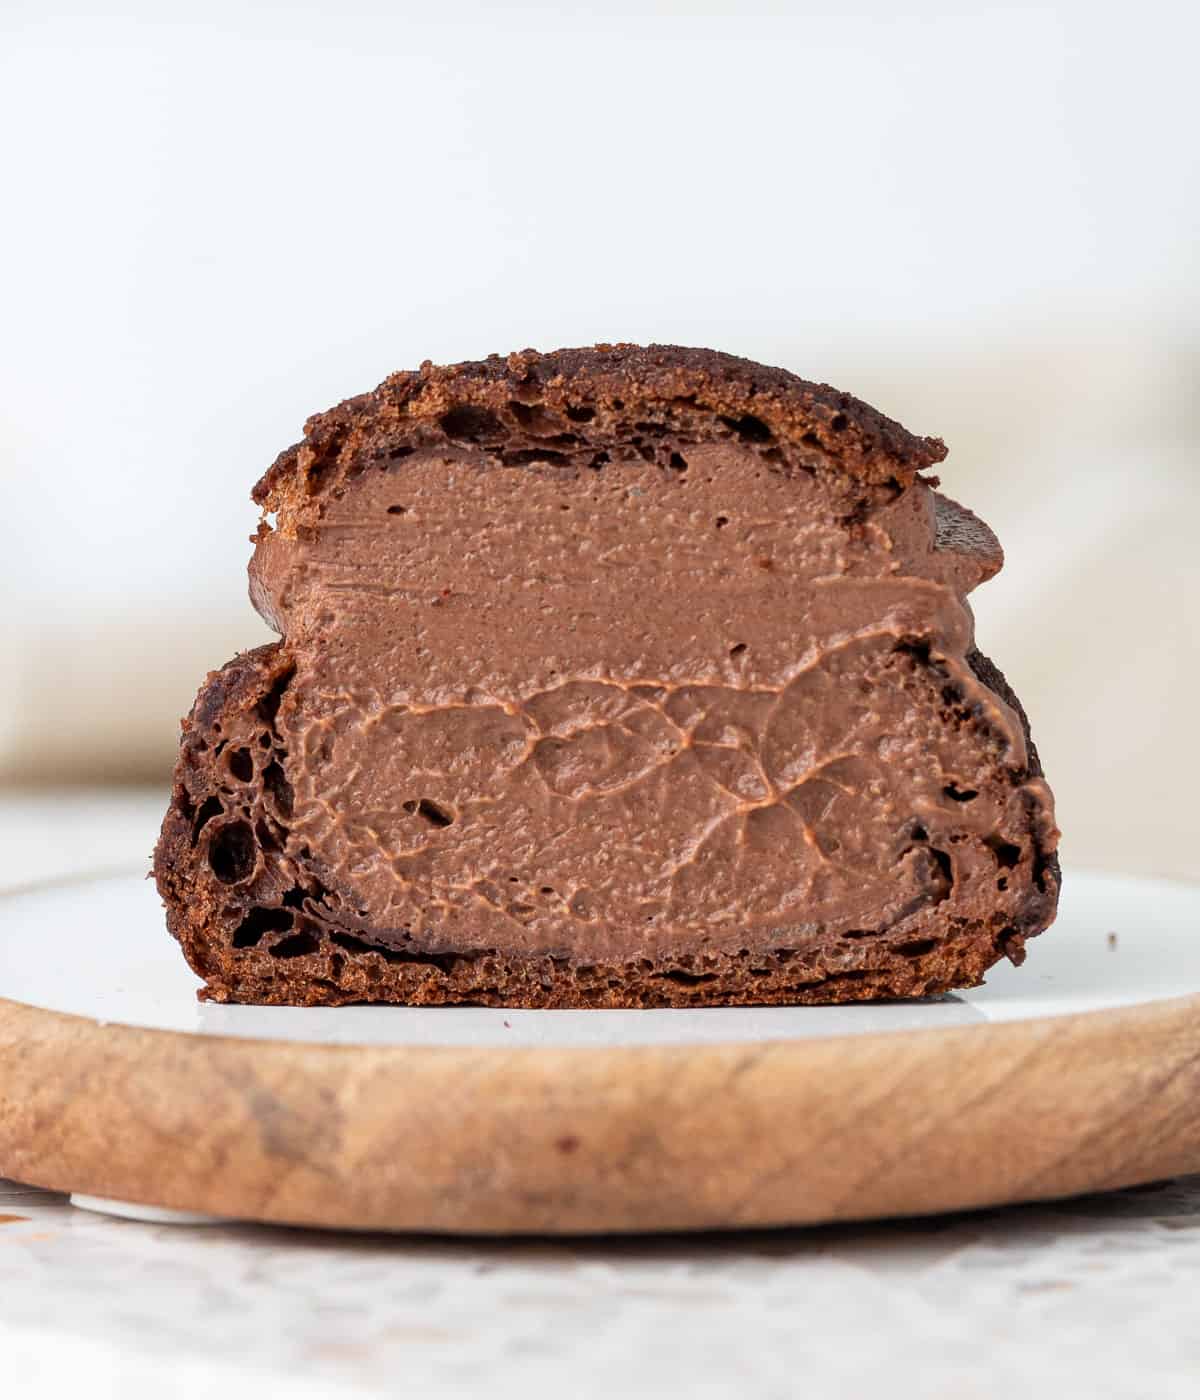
(433, 1121)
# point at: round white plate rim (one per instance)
(138, 978)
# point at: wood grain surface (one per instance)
(587, 1140)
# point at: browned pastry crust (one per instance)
(812, 423)
(258, 913)
(268, 940)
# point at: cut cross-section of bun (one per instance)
(610, 677)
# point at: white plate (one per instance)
(99, 948)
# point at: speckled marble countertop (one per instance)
(1098, 1297)
(1095, 1298)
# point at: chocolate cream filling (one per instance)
(623, 710)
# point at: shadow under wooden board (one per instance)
(1078, 1072)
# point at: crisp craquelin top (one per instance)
(594, 390)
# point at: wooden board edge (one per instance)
(627, 1139)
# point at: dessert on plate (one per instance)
(610, 677)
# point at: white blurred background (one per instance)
(221, 218)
